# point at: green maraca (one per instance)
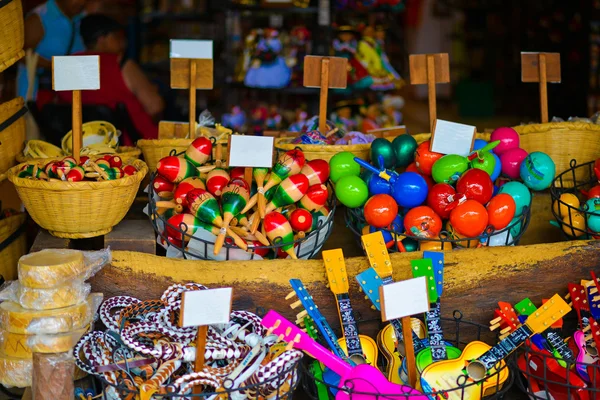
(233, 200)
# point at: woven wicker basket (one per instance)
(15, 240)
(324, 152)
(127, 153)
(156, 149)
(78, 210)
(12, 130)
(11, 33)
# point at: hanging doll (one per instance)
(268, 69)
(369, 55)
(300, 46)
(345, 45)
(380, 40)
(243, 64)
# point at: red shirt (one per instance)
(113, 91)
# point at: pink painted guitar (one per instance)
(367, 382)
(586, 354)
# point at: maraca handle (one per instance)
(219, 242)
(381, 173)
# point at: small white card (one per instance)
(404, 298)
(206, 307)
(251, 151)
(198, 49)
(75, 73)
(452, 138)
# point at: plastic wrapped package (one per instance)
(45, 299)
(22, 346)
(16, 319)
(55, 267)
(15, 372)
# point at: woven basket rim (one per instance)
(282, 144)
(129, 151)
(566, 125)
(76, 186)
(174, 142)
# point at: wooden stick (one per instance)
(200, 348)
(192, 126)
(543, 88)
(411, 364)
(76, 122)
(248, 175)
(324, 93)
(431, 90)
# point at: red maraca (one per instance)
(469, 218)
(425, 158)
(315, 198)
(501, 210)
(593, 192)
(163, 187)
(199, 151)
(380, 210)
(204, 206)
(174, 169)
(597, 168)
(237, 172)
(181, 227)
(476, 184)
(423, 222)
(258, 248)
(289, 163)
(317, 171)
(301, 221)
(216, 180)
(115, 161)
(439, 197)
(233, 200)
(76, 174)
(184, 187)
(289, 191)
(279, 231)
(130, 170)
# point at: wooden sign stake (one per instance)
(430, 69)
(542, 68)
(401, 300)
(192, 126)
(325, 73)
(76, 73)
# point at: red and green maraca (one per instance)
(279, 231)
(315, 198)
(289, 163)
(260, 174)
(199, 152)
(216, 180)
(205, 207)
(176, 169)
(317, 171)
(182, 226)
(233, 200)
(289, 191)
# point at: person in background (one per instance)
(51, 29)
(122, 81)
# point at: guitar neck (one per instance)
(558, 344)
(435, 333)
(418, 344)
(325, 329)
(349, 325)
(505, 346)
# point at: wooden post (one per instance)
(323, 96)
(76, 125)
(53, 376)
(192, 127)
(411, 363)
(430, 69)
(542, 68)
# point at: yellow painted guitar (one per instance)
(388, 346)
(360, 349)
(479, 361)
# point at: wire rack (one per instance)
(457, 332)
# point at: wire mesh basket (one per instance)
(195, 246)
(397, 240)
(544, 376)
(578, 217)
(457, 333)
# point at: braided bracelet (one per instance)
(109, 319)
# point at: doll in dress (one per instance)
(301, 117)
(369, 55)
(300, 46)
(345, 45)
(380, 40)
(244, 61)
(268, 68)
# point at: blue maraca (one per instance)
(537, 170)
(409, 189)
(383, 173)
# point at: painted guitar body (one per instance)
(583, 356)
(386, 340)
(369, 348)
(443, 375)
(424, 359)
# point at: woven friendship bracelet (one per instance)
(107, 317)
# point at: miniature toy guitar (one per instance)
(315, 367)
(359, 348)
(379, 258)
(388, 345)
(367, 382)
(478, 360)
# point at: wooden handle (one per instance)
(237, 240)
(323, 98)
(200, 348)
(431, 90)
(192, 131)
(76, 122)
(219, 243)
(411, 364)
(543, 88)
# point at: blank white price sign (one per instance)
(75, 73)
(452, 138)
(251, 151)
(197, 49)
(205, 307)
(404, 298)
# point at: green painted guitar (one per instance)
(316, 369)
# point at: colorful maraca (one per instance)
(289, 163)
(439, 198)
(343, 164)
(301, 221)
(184, 187)
(199, 151)
(404, 147)
(409, 190)
(566, 202)
(511, 162)
(317, 171)
(351, 191)
(477, 185)
(425, 158)
(205, 207)
(279, 232)
(592, 207)
(77, 174)
(163, 187)
(454, 234)
(520, 194)
(422, 222)
(180, 228)
(449, 168)
(380, 210)
(233, 200)
(216, 180)
(538, 170)
(508, 137)
(501, 210)
(315, 198)
(174, 169)
(289, 191)
(574, 224)
(469, 218)
(259, 175)
(413, 168)
(382, 150)
(377, 185)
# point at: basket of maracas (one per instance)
(462, 208)
(78, 200)
(203, 212)
(576, 201)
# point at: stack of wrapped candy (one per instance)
(47, 310)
